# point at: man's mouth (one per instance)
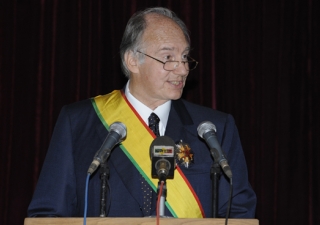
(175, 82)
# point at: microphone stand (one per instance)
(104, 176)
(162, 198)
(215, 177)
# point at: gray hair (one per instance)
(132, 37)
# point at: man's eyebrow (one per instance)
(172, 48)
(166, 49)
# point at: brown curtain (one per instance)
(258, 60)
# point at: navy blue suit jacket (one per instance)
(79, 133)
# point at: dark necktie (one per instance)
(154, 123)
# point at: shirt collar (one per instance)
(144, 111)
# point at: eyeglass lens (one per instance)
(189, 65)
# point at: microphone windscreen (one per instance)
(204, 127)
(120, 128)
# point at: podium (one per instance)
(136, 221)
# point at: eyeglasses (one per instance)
(191, 64)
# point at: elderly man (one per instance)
(155, 57)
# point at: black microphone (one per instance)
(118, 131)
(207, 131)
(162, 152)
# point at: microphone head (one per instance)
(162, 141)
(162, 154)
(204, 127)
(120, 128)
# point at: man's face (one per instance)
(165, 41)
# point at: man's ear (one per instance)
(131, 62)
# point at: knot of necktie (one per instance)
(154, 123)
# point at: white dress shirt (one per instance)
(144, 111)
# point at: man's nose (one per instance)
(181, 69)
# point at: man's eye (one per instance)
(168, 58)
(184, 57)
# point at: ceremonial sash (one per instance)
(182, 201)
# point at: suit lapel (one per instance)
(179, 122)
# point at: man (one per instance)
(155, 57)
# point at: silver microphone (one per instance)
(118, 131)
(207, 131)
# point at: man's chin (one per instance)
(174, 94)
(176, 97)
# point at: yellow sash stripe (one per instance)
(113, 107)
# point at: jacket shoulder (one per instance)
(201, 113)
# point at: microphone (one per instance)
(207, 131)
(118, 131)
(162, 151)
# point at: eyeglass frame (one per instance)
(164, 63)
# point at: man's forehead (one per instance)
(164, 31)
(155, 21)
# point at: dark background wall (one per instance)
(258, 60)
